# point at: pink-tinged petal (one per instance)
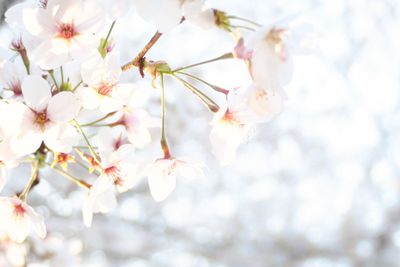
(63, 107)
(241, 51)
(37, 222)
(131, 173)
(36, 92)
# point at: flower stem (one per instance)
(94, 154)
(208, 102)
(62, 76)
(164, 143)
(214, 87)
(70, 177)
(245, 20)
(98, 120)
(139, 57)
(224, 56)
(76, 87)
(243, 27)
(31, 182)
(108, 34)
(51, 72)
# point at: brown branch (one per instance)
(138, 60)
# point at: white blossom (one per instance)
(167, 14)
(65, 30)
(45, 117)
(162, 175)
(230, 127)
(18, 219)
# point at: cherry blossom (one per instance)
(18, 219)
(231, 126)
(162, 175)
(264, 102)
(11, 76)
(166, 15)
(119, 173)
(45, 117)
(136, 120)
(100, 199)
(64, 101)
(101, 77)
(66, 30)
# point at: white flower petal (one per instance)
(37, 221)
(61, 137)
(63, 107)
(36, 92)
(88, 97)
(161, 186)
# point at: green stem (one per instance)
(98, 120)
(108, 35)
(214, 87)
(224, 56)
(31, 182)
(94, 154)
(51, 72)
(164, 143)
(243, 27)
(208, 102)
(76, 87)
(70, 177)
(245, 20)
(62, 75)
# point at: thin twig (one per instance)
(136, 61)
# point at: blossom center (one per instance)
(15, 87)
(41, 118)
(261, 95)
(230, 118)
(170, 169)
(105, 89)
(115, 173)
(66, 30)
(275, 38)
(19, 211)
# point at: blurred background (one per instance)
(319, 186)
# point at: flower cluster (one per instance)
(63, 101)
